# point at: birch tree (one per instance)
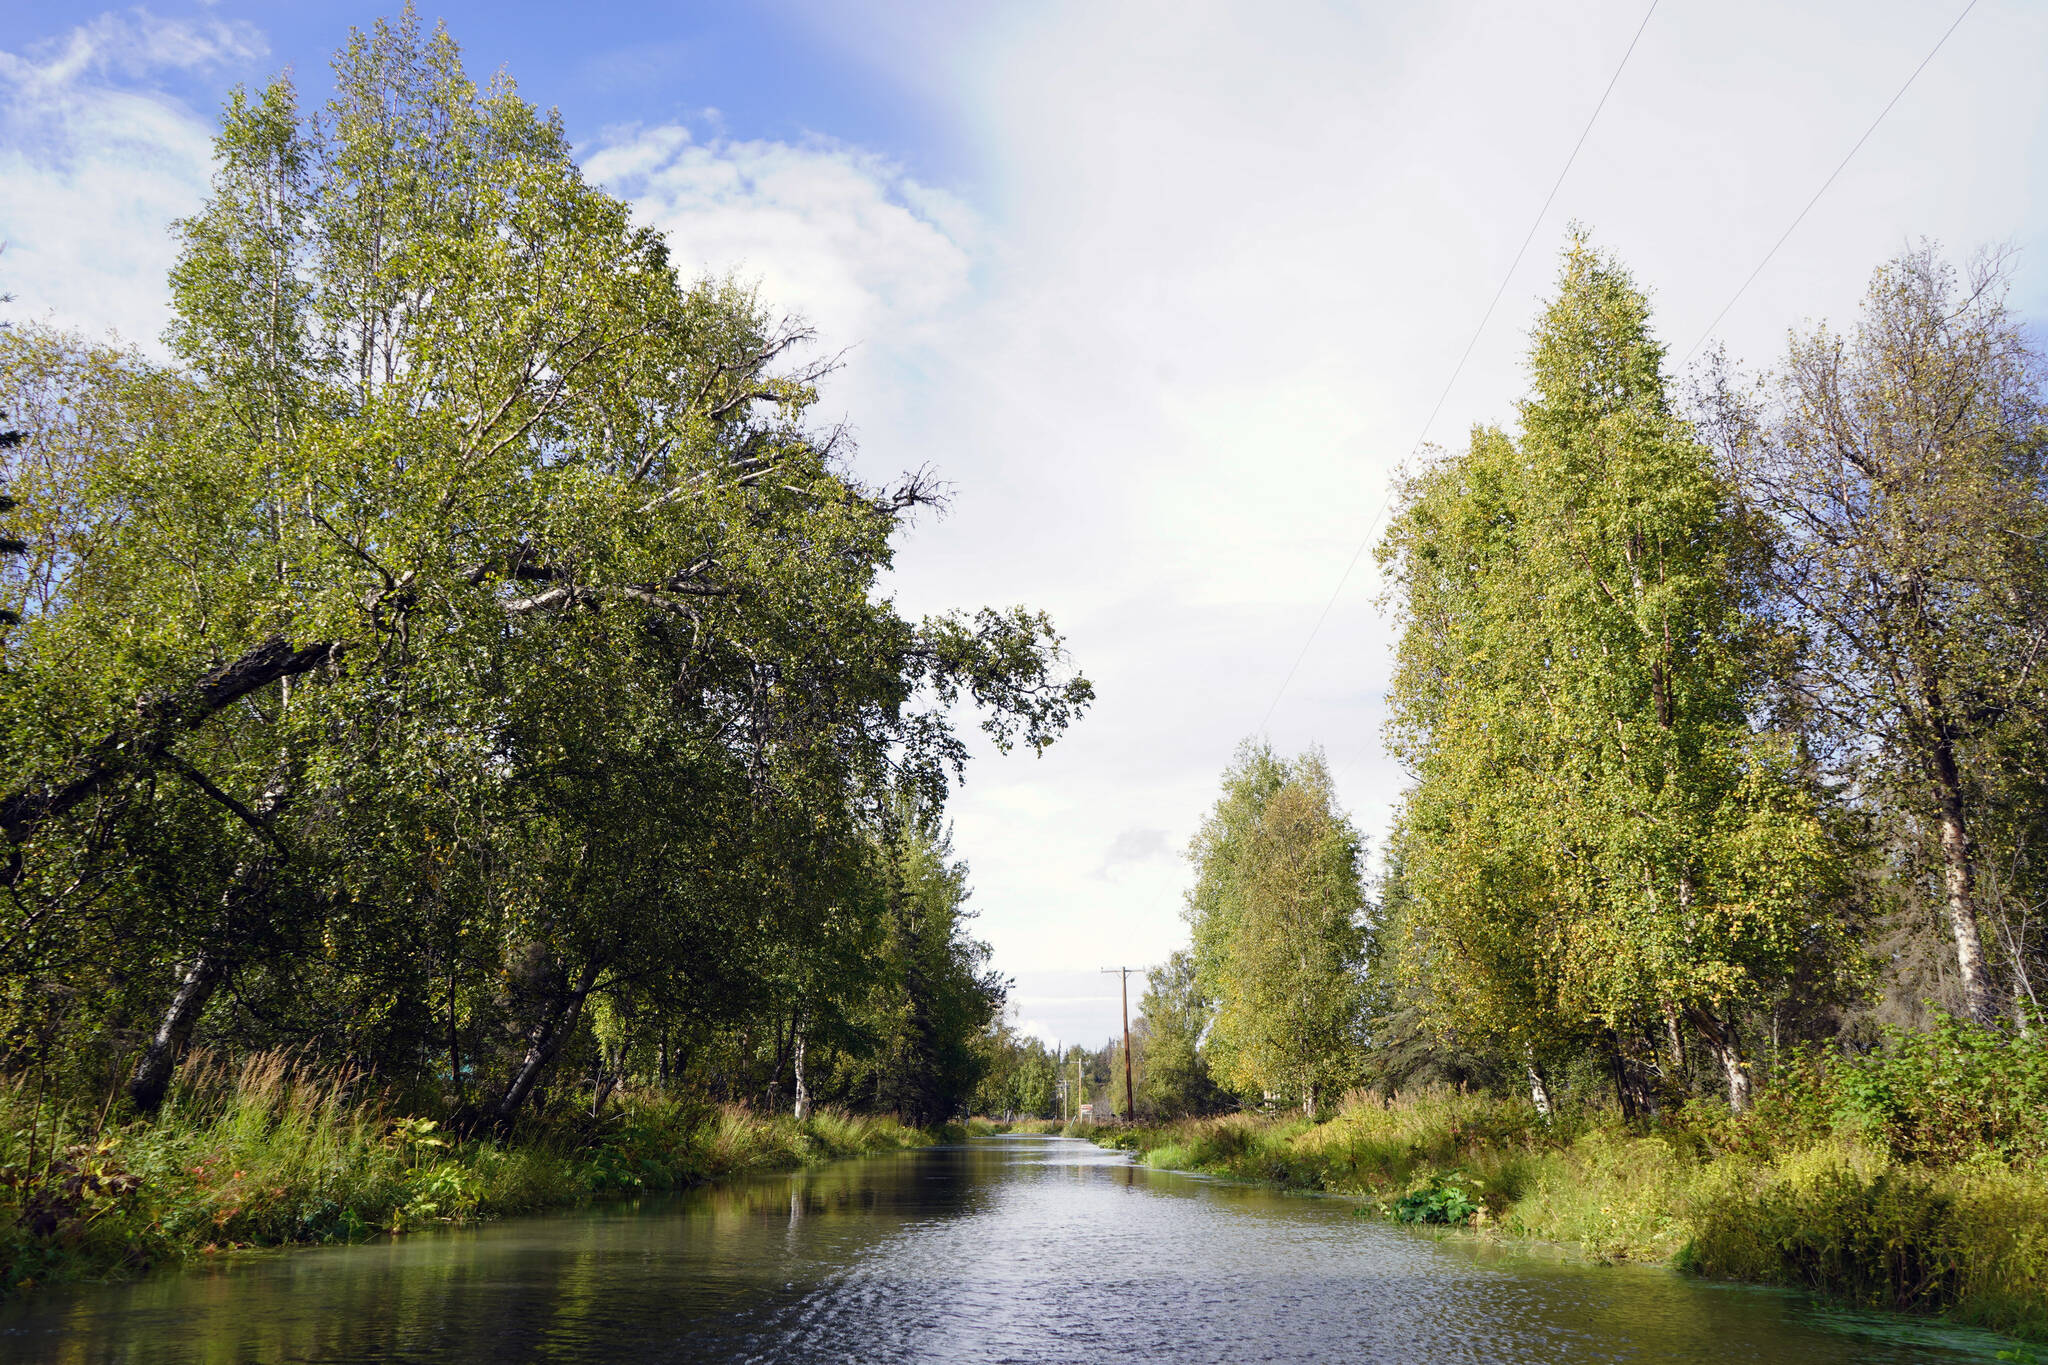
(1903, 468)
(1599, 833)
(1277, 914)
(468, 543)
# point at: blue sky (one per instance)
(770, 70)
(1166, 290)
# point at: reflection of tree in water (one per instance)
(992, 1251)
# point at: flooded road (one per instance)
(1024, 1249)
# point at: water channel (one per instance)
(1005, 1249)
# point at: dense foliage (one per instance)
(1799, 1192)
(1600, 846)
(1279, 938)
(1710, 926)
(466, 664)
(1724, 721)
(1709, 717)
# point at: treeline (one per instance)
(1022, 1078)
(463, 662)
(1725, 713)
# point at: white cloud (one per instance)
(839, 234)
(134, 45)
(1232, 262)
(1070, 1006)
(1137, 844)
(1216, 275)
(97, 161)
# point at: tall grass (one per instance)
(986, 1127)
(265, 1152)
(1811, 1197)
(1969, 1241)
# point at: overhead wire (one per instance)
(1832, 175)
(1463, 356)
(1733, 299)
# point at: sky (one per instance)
(1167, 292)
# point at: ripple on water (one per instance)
(1017, 1249)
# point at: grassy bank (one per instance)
(266, 1154)
(1915, 1182)
(983, 1127)
(1838, 1216)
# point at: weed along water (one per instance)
(1036, 1249)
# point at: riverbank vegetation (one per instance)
(1711, 921)
(265, 1152)
(462, 666)
(1907, 1181)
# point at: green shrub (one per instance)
(1969, 1241)
(1885, 1241)
(1808, 1190)
(1444, 1199)
(1618, 1194)
(269, 1153)
(1949, 1092)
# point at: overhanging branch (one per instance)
(159, 720)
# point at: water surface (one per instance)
(1019, 1249)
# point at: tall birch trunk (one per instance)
(1539, 1088)
(543, 1043)
(1959, 890)
(1958, 879)
(197, 982)
(802, 1107)
(1725, 1042)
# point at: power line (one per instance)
(1466, 355)
(1786, 235)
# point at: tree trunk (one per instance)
(1676, 1036)
(454, 1042)
(543, 1042)
(1726, 1044)
(1623, 1096)
(610, 1071)
(2025, 1006)
(1638, 1099)
(1958, 884)
(802, 1107)
(1539, 1088)
(601, 1089)
(196, 985)
(1958, 880)
(782, 1043)
(206, 970)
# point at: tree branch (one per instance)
(159, 720)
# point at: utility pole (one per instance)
(1059, 1077)
(1130, 1105)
